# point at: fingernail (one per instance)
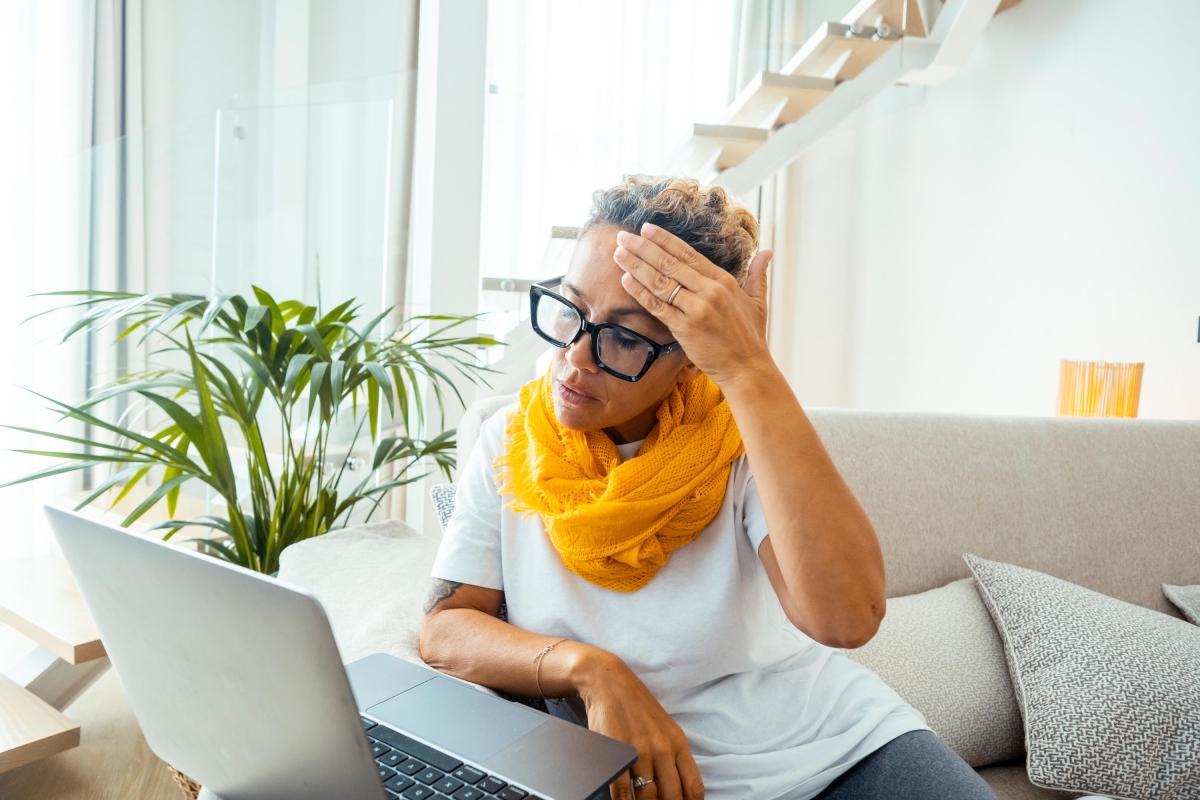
(649, 228)
(623, 236)
(620, 252)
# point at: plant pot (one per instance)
(190, 789)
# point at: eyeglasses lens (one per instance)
(623, 353)
(555, 320)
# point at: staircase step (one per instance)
(834, 52)
(736, 141)
(39, 598)
(29, 728)
(771, 99)
(712, 148)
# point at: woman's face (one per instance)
(585, 396)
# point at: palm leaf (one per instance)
(57, 469)
(214, 307)
(222, 549)
(154, 497)
(129, 484)
(125, 474)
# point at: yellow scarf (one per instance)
(615, 524)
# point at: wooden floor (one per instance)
(112, 761)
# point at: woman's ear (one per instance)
(687, 372)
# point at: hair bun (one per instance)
(719, 228)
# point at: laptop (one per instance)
(236, 681)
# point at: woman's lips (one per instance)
(573, 396)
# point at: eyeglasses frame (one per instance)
(542, 288)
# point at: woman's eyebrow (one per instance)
(624, 311)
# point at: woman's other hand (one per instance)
(722, 327)
(620, 706)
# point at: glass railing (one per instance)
(301, 202)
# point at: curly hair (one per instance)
(720, 229)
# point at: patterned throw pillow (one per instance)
(1186, 599)
(940, 651)
(1109, 691)
(443, 496)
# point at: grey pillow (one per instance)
(1186, 599)
(1109, 691)
(940, 651)
(443, 495)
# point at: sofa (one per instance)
(1111, 505)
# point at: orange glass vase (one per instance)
(1099, 389)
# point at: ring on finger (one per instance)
(642, 783)
(671, 299)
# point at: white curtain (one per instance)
(70, 218)
(769, 32)
(43, 141)
(579, 95)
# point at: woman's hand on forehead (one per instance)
(722, 327)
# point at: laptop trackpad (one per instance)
(454, 716)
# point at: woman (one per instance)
(675, 547)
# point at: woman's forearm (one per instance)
(819, 535)
(477, 647)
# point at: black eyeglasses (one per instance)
(619, 351)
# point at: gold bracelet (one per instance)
(537, 671)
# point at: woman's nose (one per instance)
(579, 354)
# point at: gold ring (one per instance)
(671, 299)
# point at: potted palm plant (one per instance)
(263, 385)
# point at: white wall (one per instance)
(946, 247)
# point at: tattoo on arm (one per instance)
(440, 593)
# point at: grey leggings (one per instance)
(914, 766)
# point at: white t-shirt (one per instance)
(768, 712)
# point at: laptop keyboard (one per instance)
(415, 771)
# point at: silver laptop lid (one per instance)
(234, 677)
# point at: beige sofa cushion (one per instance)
(1108, 504)
(372, 581)
(1011, 782)
(940, 651)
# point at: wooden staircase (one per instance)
(840, 67)
(39, 599)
